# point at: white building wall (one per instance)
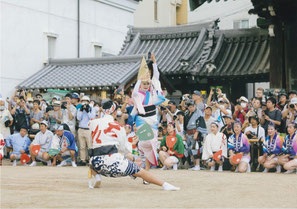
(144, 14)
(228, 12)
(25, 25)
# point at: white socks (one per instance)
(212, 168)
(195, 168)
(278, 168)
(164, 168)
(220, 168)
(14, 163)
(249, 168)
(49, 163)
(174, 167)
(290, 171)
(97, 182)
(236, 170)
(265, 170)
(168, 187)
(33, 164)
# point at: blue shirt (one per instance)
(84, 118)
(18, 143)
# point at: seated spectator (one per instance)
(69, 113)
(239, 143)
(271, 115)
(64, 141)
(6, 120)
(171, 148)
(19, 143)
(255, 131)
(271, 148)
(214, 142)
(44, 139)
(288, 159)
(241, 109)
(36, 115)
(21, 115)
(227, 129)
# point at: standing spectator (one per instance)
(19, 144)
(222, 109)
(6, 120)
(179, 124)
(260, 95)
(36, 115)
(21, 115)
(55, 116)
(69, 113)
(75, 101)
(289, 113)
(283, 100)
(84, 115)
(256, 109)
(44, 139)
(241, 109)
(190, 126)
(64, 141)
(227, 129)
(292, 94)
(197, 97)
(271, 115)
(208, 118)
(171, 111)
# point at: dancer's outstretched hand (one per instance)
(153, 57)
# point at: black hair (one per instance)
(272, 100)
(36, 101)
(68, 95)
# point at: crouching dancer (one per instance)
(109, 143)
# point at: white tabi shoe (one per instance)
(174, 167)
(73, 164)
(289, 171)
(195, 168)
(14, 163)
(212, 168)
(265, 170)
(33, 164)
(220, 168)
(63, 163)
(168, 187)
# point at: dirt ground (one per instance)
(67, 187)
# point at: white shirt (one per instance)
(168, 117)
(208, 123)
(105, 131)
(4, 116)
(214, 143)
(181, 132)
(261, 133)
(43, 139)
(65, 119)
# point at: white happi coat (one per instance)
(214, 143)
(105, 131)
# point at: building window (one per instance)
(239, 24)
(97, 51)
(156, 10)
(51, 50)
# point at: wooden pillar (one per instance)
(276, 57)
(290, 40)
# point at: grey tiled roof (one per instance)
(85, 72)
(198, 49)
(202, 50)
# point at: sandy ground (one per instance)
(67, 187)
